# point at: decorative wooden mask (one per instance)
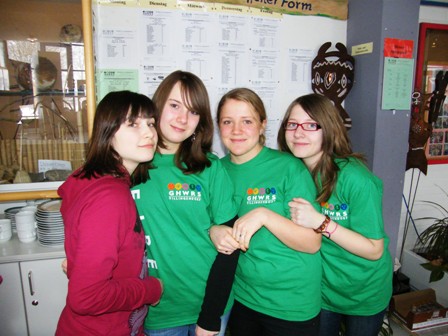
(332, 76)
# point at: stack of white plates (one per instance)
(11, 214)
(50, 227)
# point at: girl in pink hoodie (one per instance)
(108, 287)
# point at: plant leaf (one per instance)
(437, 272)
(437, 205)
(436, 275)
(430, 267)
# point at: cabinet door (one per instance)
(45, 292)
(12, 309)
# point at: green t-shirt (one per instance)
(177, 210)
(351, 284)
(272, 278)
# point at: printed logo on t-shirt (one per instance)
(336, 212)
(135, 194)
(261, 195)
(184, 191)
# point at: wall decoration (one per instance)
(70, 33)
(332, 76)
(336, 9)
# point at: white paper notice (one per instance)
(299, 69)
(117, 39)
(117, 47)
(155, 26)
(265, 48)
(232, 57)
(159, 46)
(44, 165)
(198, 32)
(152, 75)
(272, 132)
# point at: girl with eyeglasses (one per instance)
(278, 278)
(357, 266)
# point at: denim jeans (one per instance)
(355, 325)
(248, 322)
(186, 330)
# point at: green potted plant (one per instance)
(432, 243)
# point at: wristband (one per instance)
(323, 226)
(334, 230)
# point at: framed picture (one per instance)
(432, 61)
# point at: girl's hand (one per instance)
(64, 265)
(303, 213)
(221, 237)
(157, 302)
(246, 226)
(202, 332)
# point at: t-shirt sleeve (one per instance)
(223, 206)
(300, 184)
(364, 197)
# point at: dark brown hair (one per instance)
(335, 142)
(191, 156)
(113, 110)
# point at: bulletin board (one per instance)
(137, 44)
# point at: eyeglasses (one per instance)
(308, 126)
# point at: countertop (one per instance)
(13, 250)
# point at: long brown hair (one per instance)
(113, 110)
(250, 97)
(335, 142)
(191, 157)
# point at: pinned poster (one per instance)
(45, 165)
(397, 83)
(109, 80)
(398, 48)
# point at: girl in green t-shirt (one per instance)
(188, 192)
(278, 278)
(357, 266)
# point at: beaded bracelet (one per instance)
(323, 226)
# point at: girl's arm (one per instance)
(217, 291)
(296, 237)
(304, 214)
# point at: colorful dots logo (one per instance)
(261, 191)
(184, 186)
(334, 207)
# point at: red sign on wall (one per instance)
(398, 48)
